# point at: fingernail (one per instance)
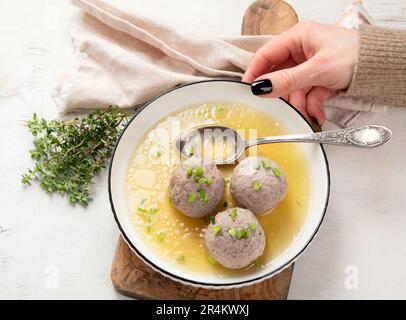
(261, 87)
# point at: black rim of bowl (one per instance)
(199, 283)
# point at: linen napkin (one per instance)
(125, 59)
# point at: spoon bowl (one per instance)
(202, 141)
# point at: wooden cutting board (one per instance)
(132, 277)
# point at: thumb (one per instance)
(284, 82)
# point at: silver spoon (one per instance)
(191, 142)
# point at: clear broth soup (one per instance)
(180, 239)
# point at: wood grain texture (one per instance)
(268, 17)
(131, 277)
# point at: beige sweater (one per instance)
(380, 73)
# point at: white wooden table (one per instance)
(49, 249)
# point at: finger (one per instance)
(258, 65)
(298, 100)
(274, 52)
(285, 81)
(288, 63)
(315, 101)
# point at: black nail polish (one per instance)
(261, 87)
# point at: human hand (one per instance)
(304, 65)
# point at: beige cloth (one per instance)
(126, 59)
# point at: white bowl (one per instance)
(218, 90)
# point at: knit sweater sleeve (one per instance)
(380, 72)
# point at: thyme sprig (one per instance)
(69, 154)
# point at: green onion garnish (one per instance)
(156, 151)
(180, 258)
(251, 226)
(152, 210)
(211, 219)
(189, 171)
(233, 214)
(253, 263)
(202, 196)
(242, 233)
(211, 260)
(257, 185)
(266, 164)
(191, 197)
(147, 213)
(189, 151)
(216, 230)
(142, 210)
(207, 181)
(257, 166)
(232, 232)
(161, 236)
(199, 171)
(276, 172)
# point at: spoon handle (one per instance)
(362, 137)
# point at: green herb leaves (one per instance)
(190, 151)
(146, 214)
(202, 196)
(216, 230)
(198, 172)
(207, 181)
(69, 154)
(232, 232)
(180, 258)
(211, 260)
(276, 172)
(156, 151)
(191, 197)
(161, 236)
(198, 177)
(233, 214)
(257, 186)
(267, 165)
(243, 233)
(239, 234)
(211, 219)
(189, 171)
